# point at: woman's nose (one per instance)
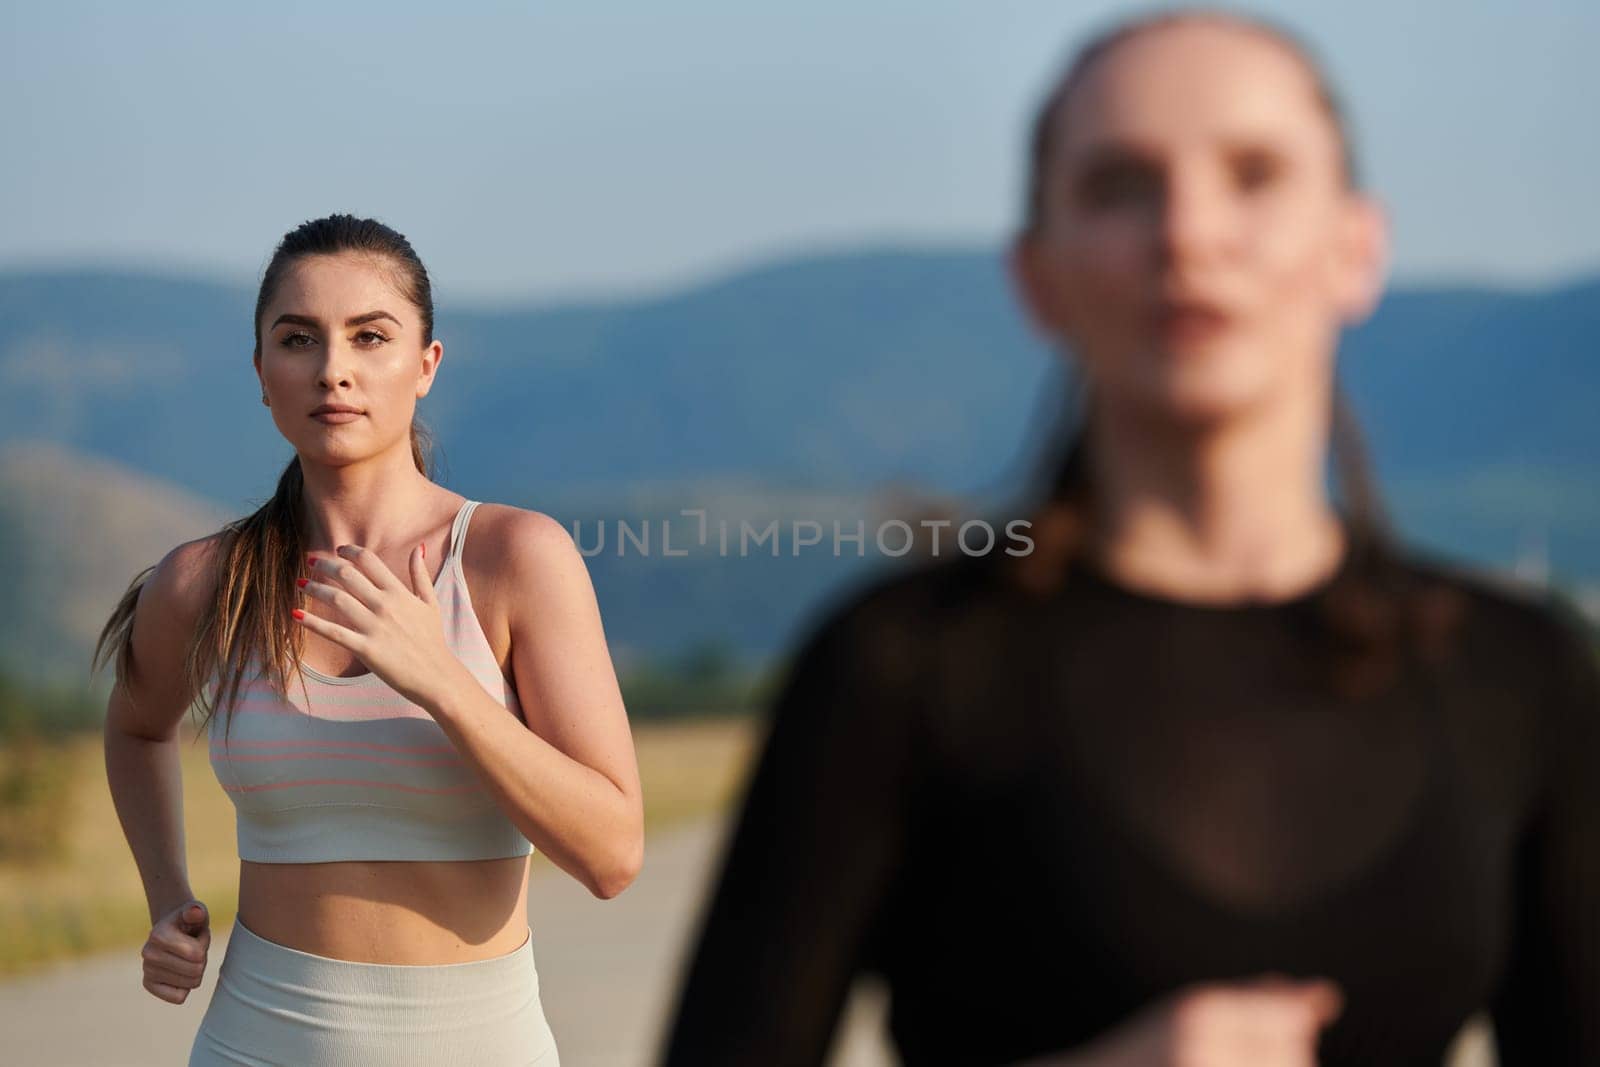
(1194, 219)
(335, 367)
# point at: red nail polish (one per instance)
(311, 561)
(301, 582)
(297, 613)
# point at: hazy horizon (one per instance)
(684, 282)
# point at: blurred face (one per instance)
(339, 333)
(1197, 248)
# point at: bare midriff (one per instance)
(397, 912)
(412, 912)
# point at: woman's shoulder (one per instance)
(149, 634)
(1533, 639)
(518, 562)
(1531, 625)
(1503, 597)
(184, 581)
(504, 535)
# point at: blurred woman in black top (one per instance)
(1219, 772)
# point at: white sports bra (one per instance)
(361, 773)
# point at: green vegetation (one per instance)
(35, 771)
(707, 680)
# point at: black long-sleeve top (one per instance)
(1036, 816)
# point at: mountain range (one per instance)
(809, 387)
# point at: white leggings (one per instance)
(277, 1005)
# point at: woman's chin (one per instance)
(332, 453)
(1200, 400)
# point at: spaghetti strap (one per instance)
(458, 532)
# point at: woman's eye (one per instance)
(1118, 184)
(371, 337)
(293, 340)
(1255, 170)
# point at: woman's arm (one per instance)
(811, 859)
(1547, 1010)
(569, 778)
(141, 728)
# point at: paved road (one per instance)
(608, 971)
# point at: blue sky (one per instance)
(549, 150)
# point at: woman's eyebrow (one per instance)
(1114, 153)
(307, 320)
(371, 316)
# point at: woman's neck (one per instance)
(1229, 511)
(364, 503)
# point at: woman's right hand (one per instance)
(1270, 1021)
(175, 954)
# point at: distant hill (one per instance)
(74, 530)
(834, 374)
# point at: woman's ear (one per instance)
(1363, 258)
(430, 367)
(1032, 276)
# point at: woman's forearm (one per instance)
(571, 812)
(146, 780)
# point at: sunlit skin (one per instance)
(338, 330)
(309, 356)
(1195, 163)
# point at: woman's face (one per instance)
(1197, 247)
(338, 331)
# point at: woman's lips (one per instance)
(337, 416)
(1186, 324)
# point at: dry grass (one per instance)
(89, 896)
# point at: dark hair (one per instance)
(259, 556)
(1378, 611)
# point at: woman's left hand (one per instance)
(395, 630)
